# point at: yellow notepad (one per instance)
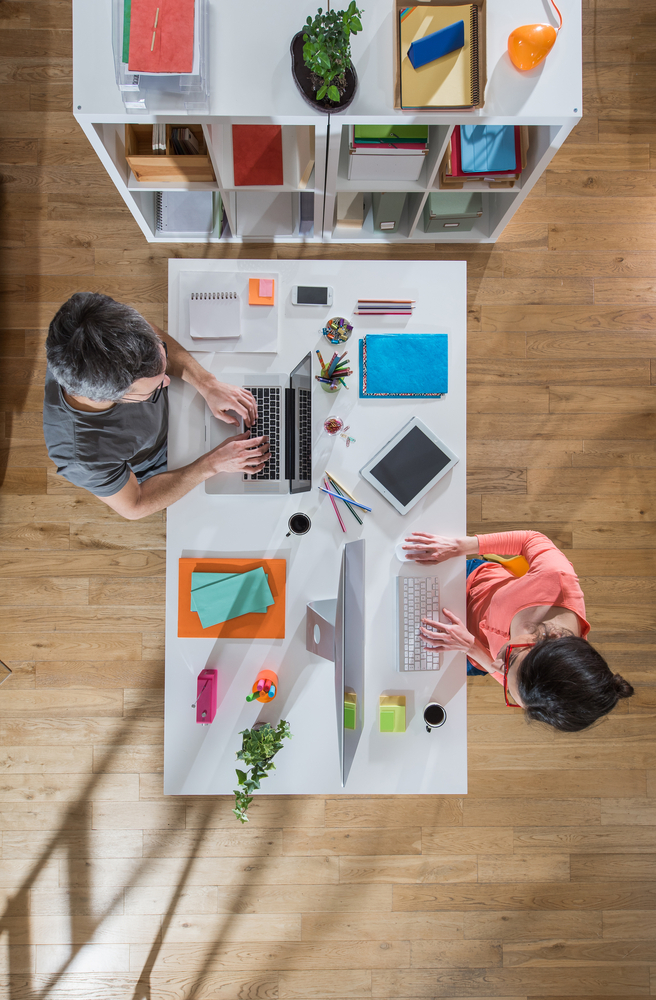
(450, 81)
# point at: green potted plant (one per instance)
(321, 58)
(259, 746)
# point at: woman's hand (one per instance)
(451, 637)
(221, 397)
(425, 548)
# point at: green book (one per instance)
(127, 12)
(390, 133)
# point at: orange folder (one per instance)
(252, 626)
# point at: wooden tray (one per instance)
(149, 167)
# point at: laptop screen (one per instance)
(298, 452)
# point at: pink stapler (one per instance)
(206, 691)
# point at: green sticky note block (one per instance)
(391, 713)
(350, 710)
(229, 595)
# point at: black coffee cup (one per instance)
(298, 524)
(434, 716)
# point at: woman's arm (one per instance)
(454, 637)
(425, 548)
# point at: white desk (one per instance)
(201, 760)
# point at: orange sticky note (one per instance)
(257, 289)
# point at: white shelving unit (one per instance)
(249, 82)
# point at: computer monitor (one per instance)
(335, 630)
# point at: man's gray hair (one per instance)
(97, 347)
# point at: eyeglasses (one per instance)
(510, 702)
(154, 396)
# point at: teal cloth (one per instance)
(405, 364)
(486, 148)
(219, 597)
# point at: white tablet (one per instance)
(409, 465)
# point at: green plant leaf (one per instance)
(333, 94)
(321, 93)
(241, 775)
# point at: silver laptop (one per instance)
(284, 414)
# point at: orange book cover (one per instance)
(257, 154)
(252, 626)
(161, 36)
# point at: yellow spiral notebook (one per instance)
(452, 81)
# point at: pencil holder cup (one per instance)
(265, 687)
(332, 385)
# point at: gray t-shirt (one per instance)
(97, 450)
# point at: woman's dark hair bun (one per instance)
(623, 688)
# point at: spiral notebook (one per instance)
(214, 316)
(452, 81)
(185, 213)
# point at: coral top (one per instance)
(494, 596)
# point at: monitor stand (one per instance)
(320, 628)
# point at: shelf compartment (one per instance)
(298, 152)
(166, 168)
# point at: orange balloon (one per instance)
(528, 45)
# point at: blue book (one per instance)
(438, 43)
(398, 365)
(487, 148)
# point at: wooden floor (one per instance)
(541, 882)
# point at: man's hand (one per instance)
(221, 397)
(452, 637)
(425, 548)
(240, 453)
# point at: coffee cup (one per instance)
(434, 716)
(298, 524)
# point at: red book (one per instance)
(257, 154)
(161, 36)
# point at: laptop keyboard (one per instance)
(304, 434)
(268, 423)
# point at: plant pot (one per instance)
(303, 80)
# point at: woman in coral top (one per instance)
(529, 632)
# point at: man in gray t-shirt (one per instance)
(105, 411)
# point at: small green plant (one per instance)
(258, 748)
(327, 49)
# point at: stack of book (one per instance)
(491, 154)
(387, 152)
(385, 307)
(184, 142)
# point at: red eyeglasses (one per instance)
(509, 648)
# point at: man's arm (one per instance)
(238, 454)
(219, 396)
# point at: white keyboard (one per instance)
(417, 597)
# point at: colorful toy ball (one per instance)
(529, 44)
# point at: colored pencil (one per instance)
(350, 507)
(339, 518)
(354, 502)
(321, 361)
(340, 487)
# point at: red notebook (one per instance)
(257, 154)
(161, 36)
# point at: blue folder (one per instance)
(437, 44)
(404, 364)
(486, 148)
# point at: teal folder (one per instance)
(218, 597)
(398, 365)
